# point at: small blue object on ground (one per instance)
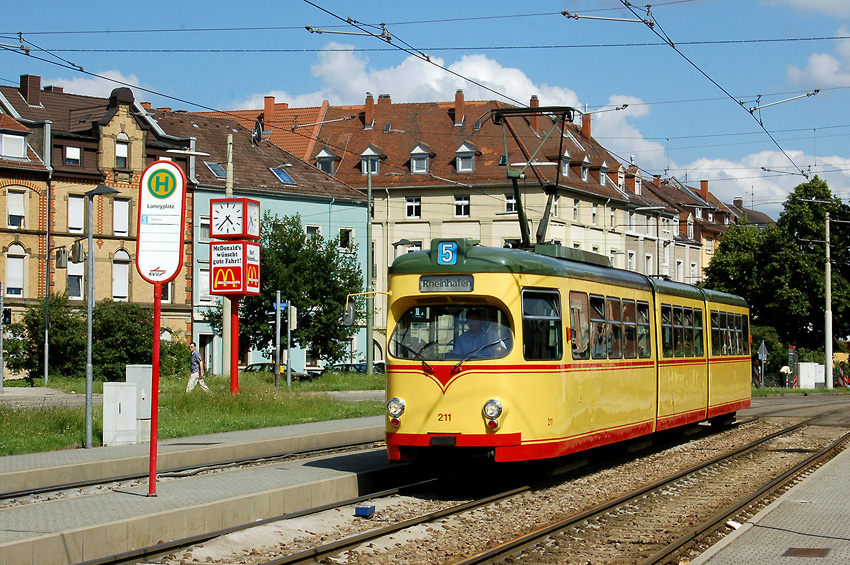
(364, 511)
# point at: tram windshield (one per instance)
(430, 333)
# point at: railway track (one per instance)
(655, 524)
(651, 525)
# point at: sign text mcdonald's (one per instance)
(235, 267)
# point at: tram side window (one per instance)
(678, 332)
(579, 325)
(738, 346)
(698, 343)
(667, 330)
(716, 344)
(629, 330)
(689, 331)
(745, 334)
(644, 342)
(598, 346)
(541, 325)
(615, 329)
(725, 342)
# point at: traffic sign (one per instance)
(762, 352)
(161, 224)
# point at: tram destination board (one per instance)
(446, 283)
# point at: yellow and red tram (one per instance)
(519, 355)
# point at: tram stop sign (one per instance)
(162, 216)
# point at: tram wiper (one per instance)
(418, 356)
(471, 353)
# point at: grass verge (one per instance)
(258, 405)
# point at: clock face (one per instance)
(253, 222)
(226, 218)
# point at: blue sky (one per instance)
(686, 118)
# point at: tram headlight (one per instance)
(492, 409)
(395, 407)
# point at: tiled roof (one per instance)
(251, 163)
(298, 141)
(399, 128)
(32, 162)
(8, 123)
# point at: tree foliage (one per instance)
(124, 336)
(314, 275)
(781, 270)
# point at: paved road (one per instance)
(39, 396)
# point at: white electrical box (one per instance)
(142, 376)
(119, 414)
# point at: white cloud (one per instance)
(824, 69)
(96, 86)
(840, 8)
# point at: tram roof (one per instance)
(563, 262)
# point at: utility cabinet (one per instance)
(119, 414)
(142, 377)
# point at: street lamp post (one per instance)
(370, 304)
(99, 189)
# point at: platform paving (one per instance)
(808, 524)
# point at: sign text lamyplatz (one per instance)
(162, 213)
(235, 267)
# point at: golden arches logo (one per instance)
(252, 272)
(225, 278)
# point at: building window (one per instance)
(15, 270)
(565, 168)
(419, 160)
(631, 221)
(166, 297)
(708, 244)
(575, 210)
(370, 162)
(690, 229)
(711, 217)
(647, 265)
(76, 213)
(556, 206)
(73, 156)
(585, 170)
(346, 239)
(461, 206)
(510, 204)
(314, 231)
(216, 169)
(621, 180)
(75, 280)
(13, 146)
(15, 210)
(699, 213)
(325, 164)
(121, 276)
(282, 175)
(204, 229)
(603, 177)
(204, 296)
(630, 262)
(693, 276)
(613, 218)
(413, 207)
(465, 162)
(593, 214)
(638, 187)
(122, 151)
(121, 217)
(680, 271)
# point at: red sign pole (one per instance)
(234, 345)
(157, 321)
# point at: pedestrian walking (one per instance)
(197, 370)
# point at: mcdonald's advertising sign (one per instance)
(235, 268)
(162, 217)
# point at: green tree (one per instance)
(122, 334)
(311, 273)
(733, 267)
(67, 340)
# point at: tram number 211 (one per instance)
(444, 417)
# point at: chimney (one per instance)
(369, 114)
(459, 107)
(31, 89)
(146, 105)
(56, 89)
(268, 109)
(738, 202)
(164, 109)
(703, 189)
(585, 124)
(534, 119)
(384, 99)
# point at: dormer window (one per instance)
(73, 156)
(603, 176)
(419, 159)
(585, 171)
(565, 164)
(325, 161)
(465, 158)
(122, 150)
(711, 216)
(621, 180)
(638, 187)
(699, 213)
(13, 146)
(370, 161)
